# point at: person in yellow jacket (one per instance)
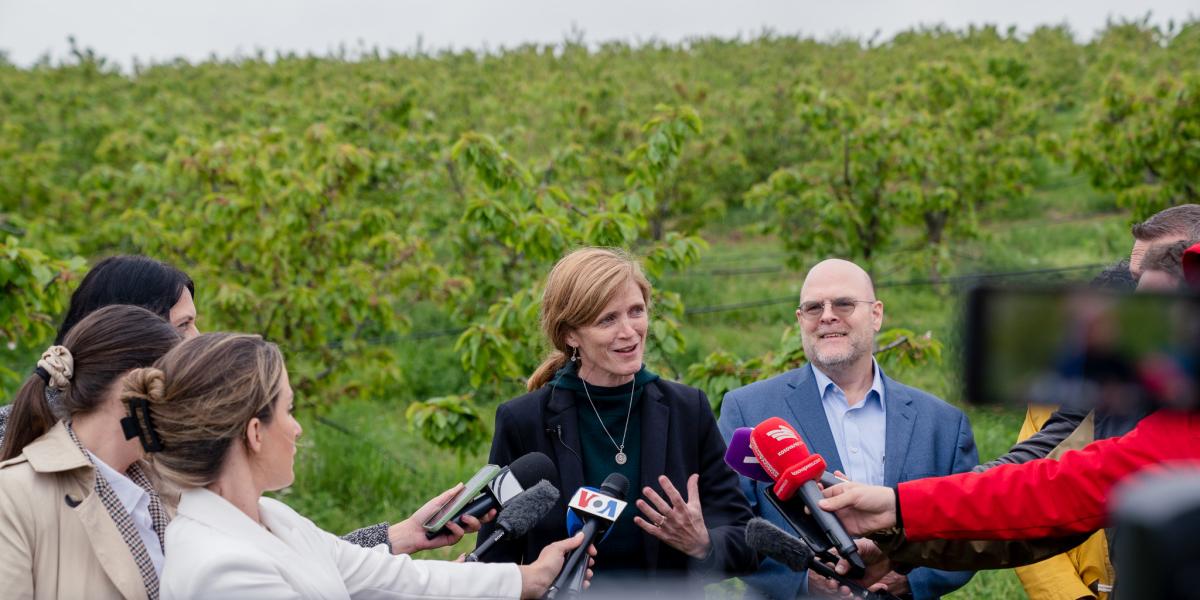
(1084, 571)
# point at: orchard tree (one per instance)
(1141, 142)
(842, 200)
(274, 231)
(971, 142)
(514, 229)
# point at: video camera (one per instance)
(1082, 348)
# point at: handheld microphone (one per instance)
(775, 543)
(742, 460)
(601, 510)
(519, 516)
(524, 472)
(784, 456)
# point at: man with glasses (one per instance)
(863, 423)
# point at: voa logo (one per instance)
(595, 503)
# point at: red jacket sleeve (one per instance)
(1045, 498)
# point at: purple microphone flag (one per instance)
(741, 458)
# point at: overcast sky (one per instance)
(164, 29)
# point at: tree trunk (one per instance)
(935, 227)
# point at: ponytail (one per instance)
(142, 389)
(31, 417)
(545, 371)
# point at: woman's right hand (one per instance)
(537, 576)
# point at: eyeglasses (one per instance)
(842, 308)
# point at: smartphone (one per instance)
(1082, 347)
(469, 492)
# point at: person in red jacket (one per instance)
(1040, 498)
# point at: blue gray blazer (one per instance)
(925, 437)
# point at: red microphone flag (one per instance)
(784, 457)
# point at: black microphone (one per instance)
(519, 516)
(524, 472)
(770, 541)
(811, 495)
(599, 511)
(802, 523)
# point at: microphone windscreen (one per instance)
(741, 458)
(777, 446)
(532, 468)
(615, 485)
(527, 508)
(775, 543)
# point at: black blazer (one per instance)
(679, 437)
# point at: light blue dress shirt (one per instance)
(859, 431)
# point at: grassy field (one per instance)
(360, 464)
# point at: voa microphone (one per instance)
(597, 510)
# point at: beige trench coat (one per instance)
(56, 538)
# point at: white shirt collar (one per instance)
(823, 382)
(129, 493)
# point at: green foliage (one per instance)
(449, 422)
(843, 199)
(34, 289)
(970, 143)
(517, 228)
(1144, 143)
(941, 143)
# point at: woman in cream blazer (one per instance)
(216, 415)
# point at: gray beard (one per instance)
(837, 365)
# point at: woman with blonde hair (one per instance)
(79, 515)
(216, 414)
(595, 409)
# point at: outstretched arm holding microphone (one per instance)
(1041, 498)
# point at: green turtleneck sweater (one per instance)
(621, 550)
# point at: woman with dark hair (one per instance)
(138, 280)
(79, 516)
(168, 292)
(595, 409)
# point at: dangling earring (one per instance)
(574, 353)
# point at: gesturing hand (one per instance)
(861, 508)
(679, 523)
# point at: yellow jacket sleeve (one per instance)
(1066, 576)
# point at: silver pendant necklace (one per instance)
(620, 457)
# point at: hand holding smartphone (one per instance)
(472, 490)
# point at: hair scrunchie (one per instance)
(58, 365)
